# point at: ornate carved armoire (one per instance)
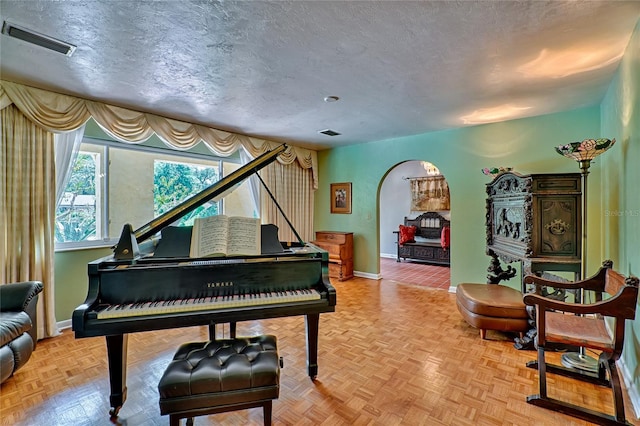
(535, 219)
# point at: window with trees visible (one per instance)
(112, 185)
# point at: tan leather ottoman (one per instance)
(492, 307)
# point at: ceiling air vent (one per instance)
(329, 132)
(41, 40)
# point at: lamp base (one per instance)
(580, 362)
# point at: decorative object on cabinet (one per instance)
(583, 152)
(340, 248)
(495, 171)
(431, 239)
(341, 197)
(566, 323)
(429, 193)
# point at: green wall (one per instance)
(71, 279)
(620, 180)
(527, 145)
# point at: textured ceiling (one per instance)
(263, 68)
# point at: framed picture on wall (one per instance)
(341, 197)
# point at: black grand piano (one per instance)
(152, 284)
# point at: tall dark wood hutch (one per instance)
(535, 219)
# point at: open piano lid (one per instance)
(127, 247)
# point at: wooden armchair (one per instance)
(584, 325)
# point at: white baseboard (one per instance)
(632, 390)
(367, 275)
(390, 256)
(63, 325)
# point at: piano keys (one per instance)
(205, 303)
(135, 290)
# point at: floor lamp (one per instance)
(583, 152)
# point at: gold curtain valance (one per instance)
(59, 113)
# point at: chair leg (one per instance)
(614, 379)
(542, 400)
(542, 372)
(268, 409)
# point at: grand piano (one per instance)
(150, 283)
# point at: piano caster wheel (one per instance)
(113, 413)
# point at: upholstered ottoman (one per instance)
(492, 307)
(221, 375)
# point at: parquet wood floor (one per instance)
(391, 354)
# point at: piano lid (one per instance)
(127, 245)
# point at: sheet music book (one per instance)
(225, 236)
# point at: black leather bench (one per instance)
(221, 375)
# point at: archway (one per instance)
(395, 204)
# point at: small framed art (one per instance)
(341, 197)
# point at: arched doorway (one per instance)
(395, 204)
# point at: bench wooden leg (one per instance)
(483, 333)
(268, 409)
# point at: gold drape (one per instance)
(293, 189)
(27, 209)
(61, 113)
(429, 193)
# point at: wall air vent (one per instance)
(329, 132)
(41, 40)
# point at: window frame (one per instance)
(104, 241)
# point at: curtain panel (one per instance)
(292, 188)
(27, 209)
(62, 113)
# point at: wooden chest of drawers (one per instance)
(340, 248)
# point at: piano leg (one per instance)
(117, 356)
(312, 321)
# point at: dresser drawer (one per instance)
(333, 249)
(332, 237)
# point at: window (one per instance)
(78, 215)
(112, 184)
(174, 182)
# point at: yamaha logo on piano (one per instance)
(220, 284)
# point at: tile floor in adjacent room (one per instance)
(415, 273)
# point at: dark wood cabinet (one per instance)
(536, 219)
(340, 248)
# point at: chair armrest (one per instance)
(593, 283)
(612, 307)
(17, 296)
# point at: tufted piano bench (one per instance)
(221, 375)
(492, 307)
